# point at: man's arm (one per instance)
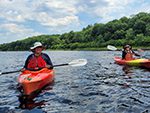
(123, 54)
(48, 60)
(136, 54)
(27, 61)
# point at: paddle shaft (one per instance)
(60, 65)
(9, 72)
(20, 70)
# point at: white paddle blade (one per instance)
(110, 47)
(78, 62)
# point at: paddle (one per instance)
(2, 73)
(110, 47)
(142, 53)
(77, 62)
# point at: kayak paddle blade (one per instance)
(110, 47)
(78, 62)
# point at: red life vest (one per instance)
(36, 62)
(129, 56)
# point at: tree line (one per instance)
(134, 30)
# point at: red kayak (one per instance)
(136, 62)
(32, 81)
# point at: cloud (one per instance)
(106, 10)
(15, 11)
(13, 28)
(63, 6)
(43, 12)
(44, 19)
(52, 16)
(13, 32)
(57, 13)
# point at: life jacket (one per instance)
(129, 55)
(36, 62)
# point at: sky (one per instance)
(20, 19)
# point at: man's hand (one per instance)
(49, 66)
(23, 69)
(36, 68)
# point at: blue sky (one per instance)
(20, 19)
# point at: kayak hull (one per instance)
(136, 62)
(32, 81)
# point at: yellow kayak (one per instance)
(136, 62)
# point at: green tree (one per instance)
(130, 34)
(139, 27)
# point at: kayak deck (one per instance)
(32, 81)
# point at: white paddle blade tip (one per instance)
(110, 47)
(78, 62)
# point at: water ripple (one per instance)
(99, 87)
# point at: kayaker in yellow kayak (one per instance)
(37, 59)
(128, 53)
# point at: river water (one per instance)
(101, 86)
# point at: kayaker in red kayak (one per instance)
(37, 60)
(128, 53)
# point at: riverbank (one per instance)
(94, 49)
(119, 48)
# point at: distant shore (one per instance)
(99, 49)
(95, 49)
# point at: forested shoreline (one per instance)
(134, 30)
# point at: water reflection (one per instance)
(128, 71)
(29, 102)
